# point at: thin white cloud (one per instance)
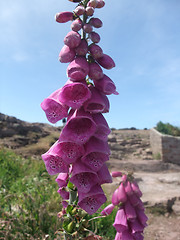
(20, 57)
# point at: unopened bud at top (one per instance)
(100, 4)
(80, 10)
(92, 3)
(89, 11)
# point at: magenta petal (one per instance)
(107, 210)
(120, 223)
(95, 71)
(69, 151)
(106, 61)
(97, 103)
(78, 69)
(136, 226)
(128, 188)
(104, 175)
(130, 211)
(53, 108)
(96, 153)
(94, 36)
(76, 25)
(122, 194)
(72, 39)
(63, 17)
(64, 194)
(116, 174)
(82, 49)
(118, 236)
(96, 51)
(74, 94)
(91, 201)
(64, 204)
(106, 102)
(141, 216)
(136, 189)
(83, 177)
(79, 128)
(96, 145)
(62, 179)
(135, 201)
(96, 22)
(115, 200)
(138, 236)
(103, 129)
(66, 54)
(54, 164)
(106, 85)
(126, 235)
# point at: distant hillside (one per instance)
(33, 139)
(27, 139)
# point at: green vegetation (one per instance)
(29, 201)
(157, 156)
(167, 128)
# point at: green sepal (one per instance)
(70, 185)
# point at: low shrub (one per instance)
(167, 128)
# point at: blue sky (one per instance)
(142, 36)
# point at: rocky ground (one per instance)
(131, 151)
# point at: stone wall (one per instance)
(165, 146)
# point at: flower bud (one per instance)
(72, 39)
(107, 210)
(76, 25)
(94, 37)
(80, 10)
(96, 22)
(116, 174)
(97, 102)
(100, 4)
(64, 194)
(96, 51)
(89, 11)
(63, 17)
(71, 227)
(106, 85)
(78, 69)
(82, 49)
(92, 3)
(106, 61)
(64, 204)
(136, 189)
(95, 71)
(115, 200)
(120, 222)
(66, 54)
(62, 179)
(87, 28)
